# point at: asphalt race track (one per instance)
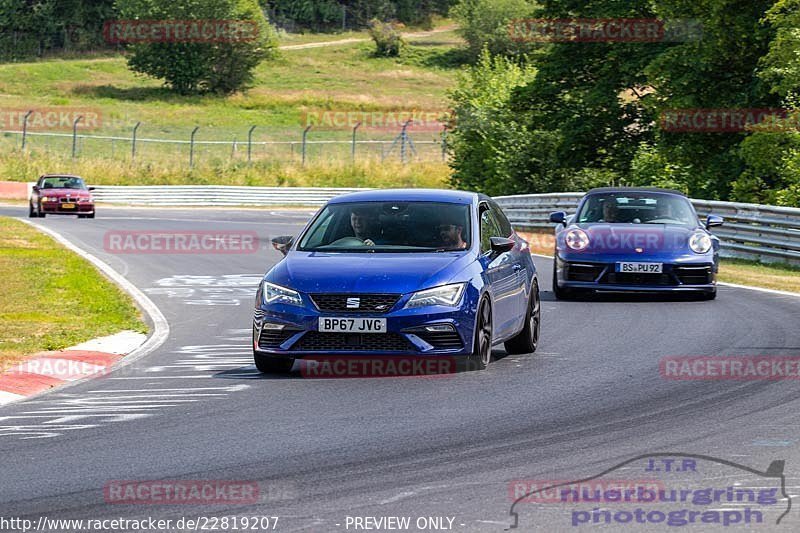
(325, 450)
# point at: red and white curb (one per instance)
(49, 370)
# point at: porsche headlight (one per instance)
(700, 242)
(447, 295)
(272, 294)
(577, 239)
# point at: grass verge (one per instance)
(52, 298)
(777, 276)
(330, 173)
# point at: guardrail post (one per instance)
(250, 144)
(25, 127)
(75, 136)
(353, 151)
(305, 141)
(191, 147)
(133, 142)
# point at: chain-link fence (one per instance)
(191, 148)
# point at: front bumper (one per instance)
(405, 333)
(597, 275)
(57, 208)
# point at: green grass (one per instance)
(341, 78)
(51, 298)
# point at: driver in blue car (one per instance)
(452, 234)
(365, 225)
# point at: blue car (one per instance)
(406, 273)
(635, 239)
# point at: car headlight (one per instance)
(700, 242)
(49, 199)
(577, 239)
(272, 294)
(448, 295)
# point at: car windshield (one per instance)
(638, 208)
(390, 227)
(63, 183)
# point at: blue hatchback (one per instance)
(629, 239)
(399, 273)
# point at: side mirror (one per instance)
(92, 188)
(714, 221)
(501, 245)
(559, 217)
(35, 188)
(282, 244)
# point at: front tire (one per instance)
(482, 349)
(708, 296)
(272, 365)
(527, 340)
(31, 212)
(558, 292)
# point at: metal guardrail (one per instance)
(215, 195)
(761, 232)
(751, 231)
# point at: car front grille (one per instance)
(583, 271)
(370, 303)
(694, 275)
(273, 338)
(443, 340)
(315, 341)
(628, 278)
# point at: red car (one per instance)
(58, 194)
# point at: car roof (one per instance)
(409, 195)
(608, 190)
(59, 176)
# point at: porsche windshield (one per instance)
(390, 227)
(647, 208)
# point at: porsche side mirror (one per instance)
(501, 245)
(713, 221)
(282, 244)
(559, 217)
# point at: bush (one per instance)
(387, 38)
(189, 67)
(486, 24)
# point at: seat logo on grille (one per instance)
(353, 303)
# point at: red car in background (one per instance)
(60, 194)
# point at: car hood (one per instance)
(74, 193)
(393, 273)
(637, 238)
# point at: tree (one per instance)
(217, 65)
(486, 24)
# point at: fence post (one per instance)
(353, 154)
(191, 147)
(250, 144)
(25, 127)
(305, 140)
(75, 135)
(133, 142)
(444, 144)
(403, 141)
